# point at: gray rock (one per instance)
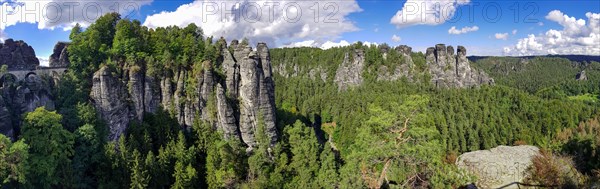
(152, 95)
(581, 76)
(186, 94)
(226, 118)
(17, 55)
(136, 89)
(256, 95)
(110, 98)
(498, 166)
(349, 74)
(453, 71)
(6, 123)
(60, 55)
(232, 72)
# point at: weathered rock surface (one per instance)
(235, 102)
(18, 98)
(581, 76)
(447, 68)
(406, 69)
(349, 74)
(60, 56)
(498, 166)
(17, 55)
(226, 115)
(21, 95)
(453, 71)
(110, 98)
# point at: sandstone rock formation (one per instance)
(349, 74)
(17, 55)
(406, 69)
(19, 97)
(498, 166)
(447, 67)
(60, 56)
(109, 97)
(581, 76)
(453, 71)
(235, 102)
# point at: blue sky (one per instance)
(558, 27)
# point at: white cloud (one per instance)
(325, 45)
(395, 38)
(329, 44)
(465, 29)
(275, 23)
(52, 14)
(44, 61)
(426, 12)
(576, 37)
(502, 36)
(540, 23)
(376, 30)
(514, 32)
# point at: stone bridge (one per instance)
(19, 75)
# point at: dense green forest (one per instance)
(396, 134)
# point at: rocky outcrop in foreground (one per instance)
(235, 102)
(17, 55)
(500, 166)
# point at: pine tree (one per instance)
(328, 175)
(305, 153)
(139, 175)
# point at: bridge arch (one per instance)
(29, 74)
(8, 77)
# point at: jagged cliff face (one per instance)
(404, 70)
(447, 68)
(349, 73)
(60, 55)
(453, 71)
(19, 97)
(17, 55)
(234, 102)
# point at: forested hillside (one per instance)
(173, 108)
(532, 102)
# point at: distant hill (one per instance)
(576, 58)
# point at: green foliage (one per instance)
(304, 148)
(3, 69)
(50, 150)
(13, 161)
(378, 135)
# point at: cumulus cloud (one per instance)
(273, 22)
(44, 61)
(465, 29)
(514, 32)
(576, 37)
(395, 38)
(502, 36)
(325, 45)
(51, 14)
(426, 12)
